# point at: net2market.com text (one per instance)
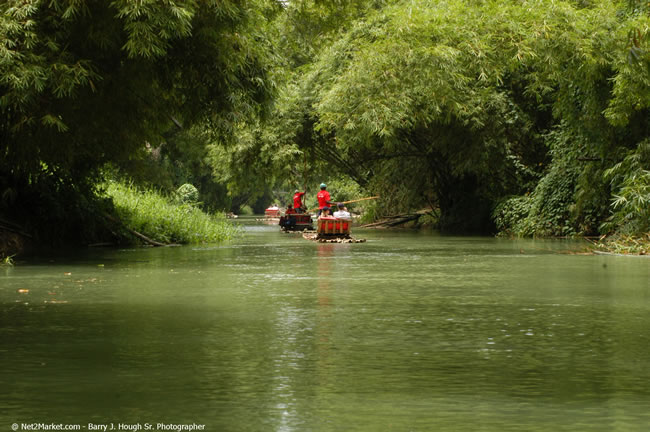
(108, 427)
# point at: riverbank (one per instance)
(615, 244)
(623, 245)
(11, 244)
(135, 217)
(164, 220)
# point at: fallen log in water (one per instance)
(399, 219)
(390, 223)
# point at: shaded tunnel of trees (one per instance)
(522, 117)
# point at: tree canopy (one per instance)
(526, 116)
(84, 83)
(471, 98)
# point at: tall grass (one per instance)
(161, 219)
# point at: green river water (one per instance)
(271, 332)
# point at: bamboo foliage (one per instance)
(466, 95)
(457, 104)
(86, 83)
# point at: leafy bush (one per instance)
(246, 210)
(187, 194)
(510, 214)
(549, 209)
(631, 193)
(550, 212)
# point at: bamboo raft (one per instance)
(332, 230)
(314, 237)
(295, 222)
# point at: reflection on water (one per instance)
(271, 332)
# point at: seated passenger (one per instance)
(342, 212)
(325, 213)
(288, 221)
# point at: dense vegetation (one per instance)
(84, 84)
(479, 101)
(526, 117)
(166, 220)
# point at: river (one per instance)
(405, 332)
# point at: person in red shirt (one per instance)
(323, 199)
(297, 201)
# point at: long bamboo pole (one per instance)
(348, 202)
(360, 199)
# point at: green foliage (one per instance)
(246, 210)
(85, 83)
(157, 217)
(306, 26)
(630, 180)
(261, 158)
(424, 88)
(549, 213)
(187, 194)
(550, 209)
(249, 166)
(510, 215)
(453, 104)
(553, 198)
(7, 261)
(631, 84)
